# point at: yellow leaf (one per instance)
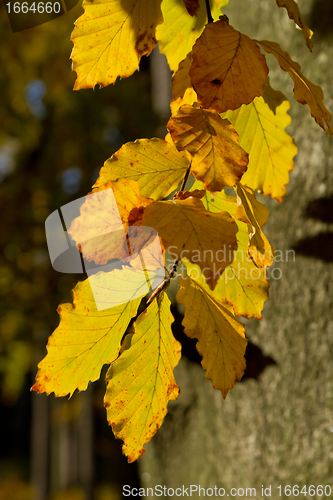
(243, 285)
(110, 38)
(305, 91)
(262, 135)
(99, 229)
(295, 14)
(89, 333)
(221, 339)
(182, 90)
(218, 159)
(179, 31)
(156, 164)
(188, 230)
(254, 213)
(141, 382)
(228, 69)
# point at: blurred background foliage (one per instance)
(53, 142)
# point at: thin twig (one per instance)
(209, 13)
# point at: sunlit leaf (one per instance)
(218, 159)
(178, 32)
(88, 338)
(305, 92)
(228, 69)
(156, 164)
(254, 213)
(141, 382)
(262, 135)
(182, 90)
(110, 38)
(188, 230)
(221, 339)
(295, 14)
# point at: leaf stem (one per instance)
(209, 13)
(182, 187)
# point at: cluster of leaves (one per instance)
(228, 129)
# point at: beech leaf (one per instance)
(295, 14)
(156, 164)
(305, 92)
(188, 230)
(271, 150)
(228, 69)
(141, 382)
(87, 338)
(218, 159)
(221, 339)
(110, 38)
(255, 214)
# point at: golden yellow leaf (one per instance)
(188, 230)
(254, 213)
(90, 330)
(141, 382)
(221, 339)
(110, 38)
(305, 92)
(99, 230)
(271, 150)
(218, 159)
(228, 69)
(182, 90)
(295, 14)
(156, 164)
(178, 32)
(242, 285)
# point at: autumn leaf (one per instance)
(295, 14)
(188, 230)
(87, 337)
(262, 134)
(99, 230)
(182, 90)
(156, 164)
(305, 92)
(178, 32)
(192, 6)
(242, 285)
(141, 382)
(218, 159)
(221, 339)
(254, 213)
(110, 38)
(228, 69)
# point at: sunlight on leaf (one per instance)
(218, 159)
(188, 230)
(88, 338)
(221, 339)
(110, 38)
(262, 135)
(305, 92)
(228, 69)
(295, 14)
(141, 382)
(156, 164)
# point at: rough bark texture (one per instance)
(278, 429)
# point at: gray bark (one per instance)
(276, 430)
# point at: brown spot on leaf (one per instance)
(216, 81)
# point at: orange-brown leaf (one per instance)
(192, 6)
(228, 69)
(218, 159)
(295, 14)
(305, 91)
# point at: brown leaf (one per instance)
(228, 69)
(295, 14)
(192, 6)
(218, 159)
(305, 91)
